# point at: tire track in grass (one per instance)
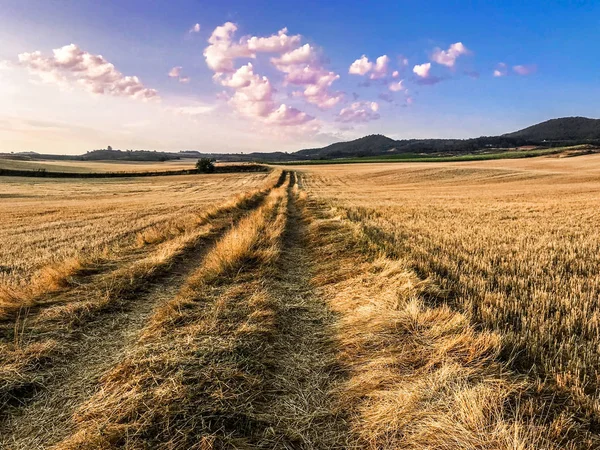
(299, 405)
(95, 347)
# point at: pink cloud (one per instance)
(360, 66)
(422, 70)
(222, 51)
(276, 43)
(175, 72)
(380, 68)
(448, 57)
(525, 70)
(500, 70)
(195, 28)
(396, 87)
(286, 116)
(253, 98)
(303, 68)
(395, 74)
(70, 65)
(359, 112)
(301, 55)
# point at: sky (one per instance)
(254, 75)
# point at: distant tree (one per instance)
(205, 165)
(109, 148)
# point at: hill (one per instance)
(372, 145)
(562, 129)
(560, 132)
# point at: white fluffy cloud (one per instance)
(448, 57)
(361, 66)
(70, 65)
(359, 112)
(276, 43)
(422, 70)
(222, 51)
(195, 28)
(380, 68)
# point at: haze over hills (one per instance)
(555, 132)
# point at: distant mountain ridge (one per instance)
(551, 133)
(566, 128)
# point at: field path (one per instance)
(300, 402)
(97, 346)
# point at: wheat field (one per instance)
(379, 306)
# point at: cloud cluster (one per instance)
(253, 98)
(253, 94)
(222, 52)
(448, 57)
(175, 72)
(70, 65)
(303, 67)
(376, 70)
(359, 112)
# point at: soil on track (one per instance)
(44, 419)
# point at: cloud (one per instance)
(70, 65)
(195, 28)
(361, 66)
(301, 55)
(448, 57)
(380, 68)
(359, 112)
(396, 87)
(253, 95)
(395, 74)
(500, 70)
(175, 72)
(280, 42)
(422, 70)
(525, 70)
(286, 115)
(303, 67)
(253, 98)
(222, 51)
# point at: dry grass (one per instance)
(419, 306)
(512, 246)
(197, 370)
(43, 323)
(52, 230)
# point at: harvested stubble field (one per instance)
(418, 306)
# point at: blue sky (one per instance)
(266, 98)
